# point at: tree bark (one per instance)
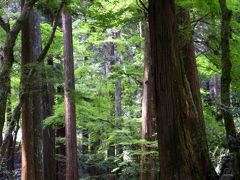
(32, 148)
(226, 69)
(190, 66)
(176, 113)
(69, 87)
(226, 83)
(48, 131)
(8, 58)
(148, 114)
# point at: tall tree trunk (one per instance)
(225, 84)
(8, 58)
(176, 114)
(32, 148)
(226, 69)
(148, 114)
(190, 66)
(69, 87)
(49, 132)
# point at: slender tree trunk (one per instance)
(61, 152)
(118, 111)
(176, 113)
(148, 114)
(11, 147)
(32, 148)
(4, 89)
(69, 87)
(226, 69)
(226, 83)
(49, 132)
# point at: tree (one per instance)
(32, 145)
(188, 56)
(226, 69)
(7, 59)
(176, 114)
(48, 131)
(70, 112)
(226, 66)
(148, 114)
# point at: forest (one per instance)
(119, 89)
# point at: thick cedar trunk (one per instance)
(176, 113)
(49, 132)
(8, 58)
(32, 155)
(226, 69)
(69, 87)
(148, 114)
(28, 172)
(190, 66)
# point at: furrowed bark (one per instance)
(32, 144)
(69, 102)
(8, 58)
(190, 67)
(176, 114)
(148, 114)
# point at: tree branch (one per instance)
(142, 6)
(4, 25)
(50, 40)
(13, 33)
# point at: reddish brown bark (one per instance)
(69, 87)
(32, 155)
(27, 124)
(190, 66)
(8, 58)
(148, 114)
(176, 114)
